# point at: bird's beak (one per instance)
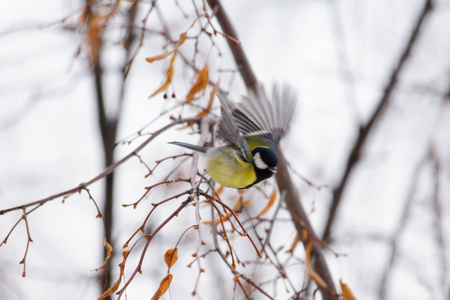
(273, 170)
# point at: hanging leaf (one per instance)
(346, 292)
(218, 220)
(294, 243)
(206, 111)
(96, 22)
(163, 286)
(220, 189)
(159, 57)
(170, 257)
(109, 249)
(169, 76)
(200, 84)
(314, 276)
(162, 56)
(116, 284)
(272, 199)
(226, 217)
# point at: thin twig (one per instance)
(147, 244)
(105, 172)
(365, 130)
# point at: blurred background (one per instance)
(369, 149)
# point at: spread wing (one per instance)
(228, 129)
(269, 118)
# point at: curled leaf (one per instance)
(168, 79)
(314, 276)
(162, 56)
(220, 189)
(294, 243)
(272, 199)
(116, 284)
(346, 292)
(217, 221)
(205, 112)
(109, 249)
(159, 57)
(200, 84)
(170, 257)
(163, 286)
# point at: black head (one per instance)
(265, 162)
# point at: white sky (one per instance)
(337, 56)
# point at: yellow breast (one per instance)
(228, 170)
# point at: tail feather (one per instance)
(190, 146)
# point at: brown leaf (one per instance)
(169, 76)
(182, 38)
(314, 276)
(200, 84)
(346, 292)
(163, 286)
(109, 249)
(220, 189)
(162, 56)
(205, 111)
(116, 284)
(96, 23)
(170, 257)
(218, 220)
(158, 57)
(294, 243)
(273, 197)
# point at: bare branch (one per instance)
(365, 130)
(107, 171)
(242, 62)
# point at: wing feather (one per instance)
(269, 118)
(228, 129)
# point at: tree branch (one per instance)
(285, 184)
(105, 172)
(242, 62)
(364, 131)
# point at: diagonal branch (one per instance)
(365, 130)
(242, 62)
(103, 174)
(285, 184)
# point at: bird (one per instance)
(251, 130)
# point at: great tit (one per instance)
(251, 130)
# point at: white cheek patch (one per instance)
(259, 163)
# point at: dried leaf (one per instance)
(96, 22)
(170, 257)
(238, 204)
(346, 292)
(169, 76)
(163, 286)
(116, 284)
(200, 84)
(162, 56)
(182, 38)
(272, 199)
(205, 111)
(248, 201)
(294, 243)
(218, 220)
(314, 276)
(159, 57)
(220, 189)
(109, 249)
